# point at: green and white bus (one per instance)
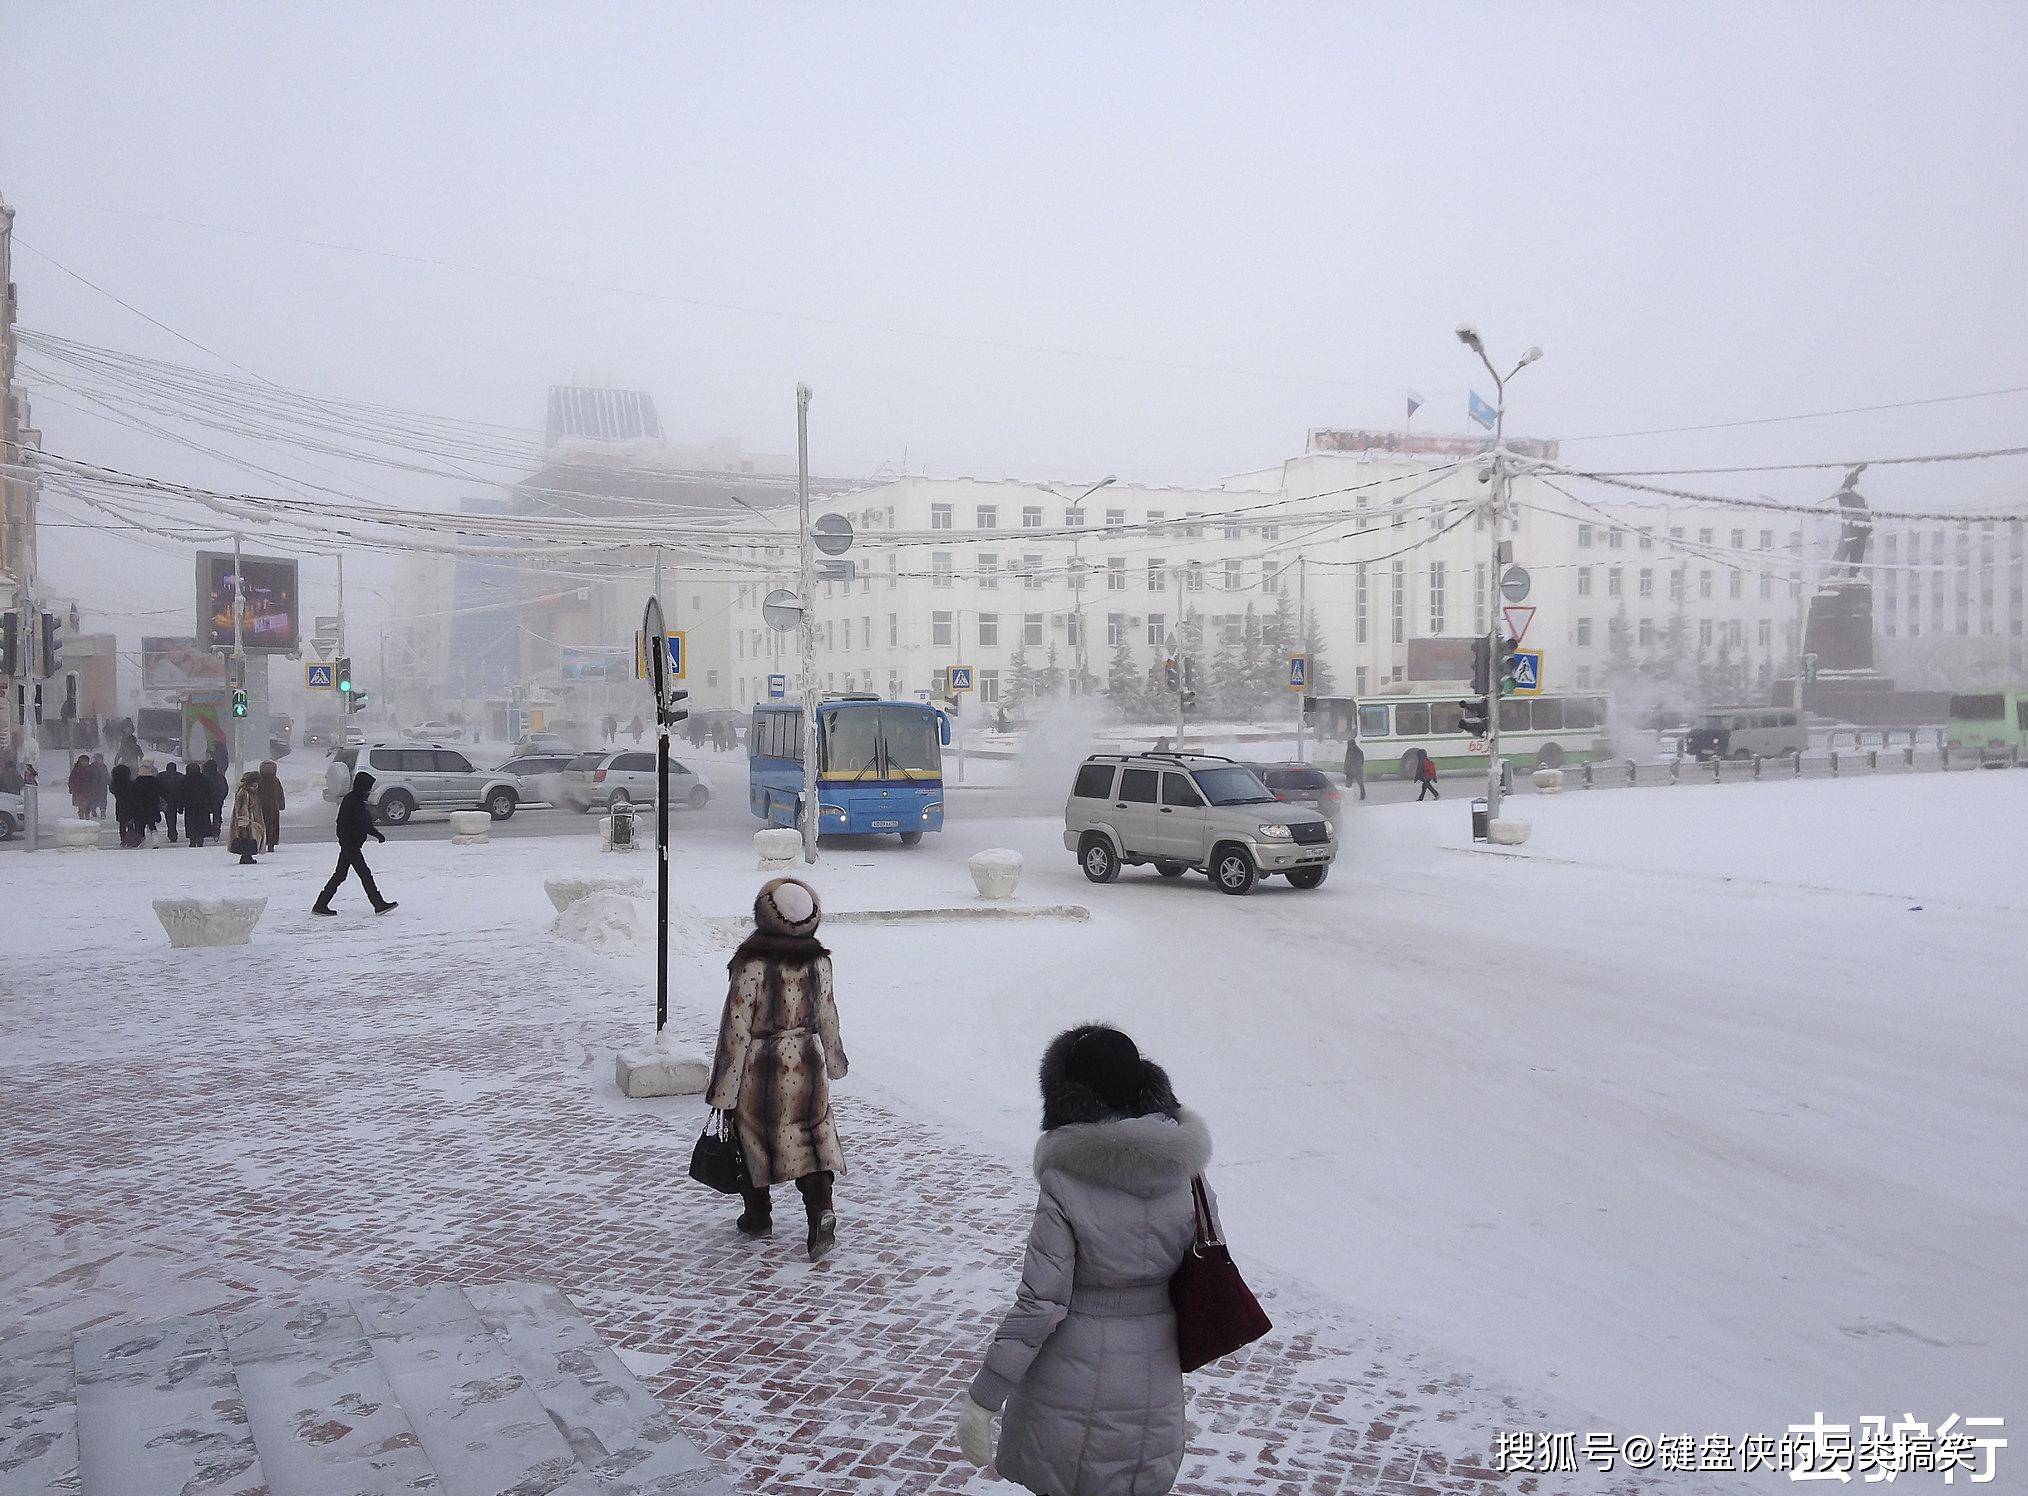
(1536, 732)
(1991, 722)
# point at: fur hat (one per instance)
(787, 906)
(1095, 1073)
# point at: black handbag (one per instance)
(1216, 1313)
(717, 1162)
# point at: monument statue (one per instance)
(1858, 527)
(1838, 629)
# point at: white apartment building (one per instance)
(1004, 575)
(1948, 604)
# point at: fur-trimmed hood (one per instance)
(1141, 1155)
(786, 950)
(1066, 1101)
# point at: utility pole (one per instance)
(1303, 649)
(238, 650)
(20, 485)
(1176, 643)
(806, 627)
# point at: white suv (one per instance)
(612, 777)
(412, 777)
(1179, 811)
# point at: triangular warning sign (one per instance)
(1518, 619)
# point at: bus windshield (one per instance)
(873, 741)
(1232, 787)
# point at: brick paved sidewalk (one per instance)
(189, 1133)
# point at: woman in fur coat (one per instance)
(1085, 1362)
(778, 1052)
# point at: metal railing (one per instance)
(1909, 758)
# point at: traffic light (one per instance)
(1482, 674)
(52, 645)
(1171, 679)
(10, 644)
(1474, 717)
(344, 674)
(1189, 684)
(239, 702)
(1510, 664)
(676, 711)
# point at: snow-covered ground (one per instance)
(1703, 1112)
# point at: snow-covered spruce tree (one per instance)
(1321, 682)
(1124, 686)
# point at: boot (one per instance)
(758, 1219)
(816, 1190)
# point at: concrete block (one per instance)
(469, 828)
(661, 1069)
(780, 849)
(566, 889)
(198, 922)
(995, 872)
(1506, 833)
(1549, 781)
(77, 836)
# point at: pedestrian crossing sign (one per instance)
(320, 677)
(1299, 672)
(1528, 674)
(960, 678)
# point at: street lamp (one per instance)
(1497, 504)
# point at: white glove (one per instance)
(975, 1434)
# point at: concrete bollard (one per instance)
(1506, 833)
(201, 922)
(77, 836)
(995, 872)
(1549, 781)
(470, 828)
(779, 848)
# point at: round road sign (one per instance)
(1514, 585)
(832, 534)
(782, 610)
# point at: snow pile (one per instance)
(603, 922)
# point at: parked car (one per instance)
(606, 777)
(435, 731)
(541, 776)
(1301, 784)
(543, 742)
(322, 732)
(1184, 811)
(13, 815)
(409, 777)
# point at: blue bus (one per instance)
(880, 766)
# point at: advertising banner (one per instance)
(171, 667)
(273, 603)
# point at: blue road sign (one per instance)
(1299, 672)
(1528, 670)
(320, 677)
(676, 663)
(960, 678)
(778, 687)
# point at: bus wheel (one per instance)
(1549, 756)
(1410, 762)
(911, 838)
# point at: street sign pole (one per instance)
(652, 634)
(806, 628)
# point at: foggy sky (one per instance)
(1700, 213)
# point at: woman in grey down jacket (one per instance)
(1085, 1362)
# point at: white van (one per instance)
(1747, 732)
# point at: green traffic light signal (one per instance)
(239, 703)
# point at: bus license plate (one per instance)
(887, 825)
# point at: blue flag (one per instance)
(1480, 411)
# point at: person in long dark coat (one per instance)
(355, 825)
(1355, 766)
(101, 783)
(272, 801)
(147, 792)
(218, 790)
(197, 806)
(121, 783)
(170, 780)
(778, 1051)
(130, 752)
(80, 786)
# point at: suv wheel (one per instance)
(617, 799)
(1233, 870)
(1172, 869)
(500, 804)
(1101, 864)
(698, 798)
(1308, 877)
(396, 807)
(6, 827)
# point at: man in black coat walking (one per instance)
(355, 824)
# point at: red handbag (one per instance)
(1216, 1313)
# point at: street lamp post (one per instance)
(1497, 507)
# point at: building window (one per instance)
(1270, 532)
(1115, 518)
(1031, 628)
(1704, 536)
(1073, 575)
(1155, 518)
(1704, 631)
(1704, 583)
(1031, 572)
(1584, 537)
(1767, 540)
(1739, 540)
(940, 568)
(1647, 632)
(1584, 631)
(989, 630)
(940, 629)
(1735, 584)
(988, 517)
(989, 569)
(1613, 587)
(1158, 579)
(1193, 577)
(1158, 629)
(1116, 573)
(1270, 576)
(1647, 581)
(1584, 677)
(1031, 517)
(1479, 598)
(1398, 518)
(1073, 629)
(1116, 630)
(940, 516)
(1359, 602)
(1766, 632)
(1647, 540)
(894, 631)
(1436, 598)
(989, 688)
(1399, 579)
(1676, 585)
(1735, 631)
(1073, 518)
(1584, 581)
(1766, 587)
(1235, 576)
(1616, 540)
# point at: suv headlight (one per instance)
(1274, 831)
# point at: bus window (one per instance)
(1445, 719)
(1138, 785)
(1373, 722)
(753, 733)
(1548, 714)
(1580, 712)
(2021, 714)
(1987, 706)
(1411, 719)
(1514, 714)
